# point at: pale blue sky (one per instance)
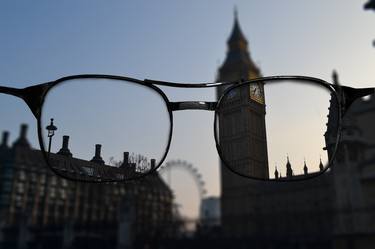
(181, 41)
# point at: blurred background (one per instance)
(186, 204)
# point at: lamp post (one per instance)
(51, 132)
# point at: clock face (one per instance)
(256, 92)
(232, 93)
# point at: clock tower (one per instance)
(242, 130)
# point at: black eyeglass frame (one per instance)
(34, 97)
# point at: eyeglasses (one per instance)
(272, 128)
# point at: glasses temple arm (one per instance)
(11, 91)
(33, 96)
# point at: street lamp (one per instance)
(51, 132)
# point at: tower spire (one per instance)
(237, 40)
(335, 78)
(321, 167)
(276, 173)
(305, 169)
(289, 170)
(238, 63)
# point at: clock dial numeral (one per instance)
(256, 93)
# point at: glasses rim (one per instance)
(34, 97)
(88, 179)
(276, 80)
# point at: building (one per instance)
(242, 105)
(334, 210)
(209, 213)
(238, 65)
(38, 209)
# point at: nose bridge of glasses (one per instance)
(193, 105)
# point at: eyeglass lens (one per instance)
(120, 129)
(276, 129)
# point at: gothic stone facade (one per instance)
(41, 209)
(334, 210)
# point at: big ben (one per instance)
(242, 129)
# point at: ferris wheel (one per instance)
(187, 167)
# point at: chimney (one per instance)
(22, 140)
(125, 162)
(23, 131)
(97, 158)
(153, 162)
(65, 147)
(4, 143)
